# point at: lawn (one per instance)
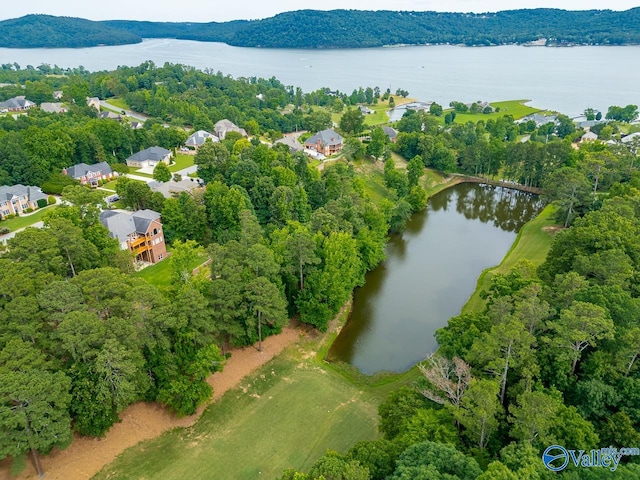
(110, 185)
(516, 108)
(181, 160)
(118, 102)
(532, 243)
(25, 221)
(160, 273)
(285, 415)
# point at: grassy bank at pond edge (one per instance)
(285, 414)
(532, 243)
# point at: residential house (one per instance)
(58, 94)
(326, 142)
(539, 119)
(17, 104)
(391, 133)
(172, 188)
(110, 116)
(225, 126)
(631, 137)
(15, 199)
(365, 110)
(90, 174)
(93, 102)
(198, 138)
(53, 107)
(136, 125)
(149, 157)
(139, 232)
(589, 137)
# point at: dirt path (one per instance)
(142, 421)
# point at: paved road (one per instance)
(6, 237)
(129, 113)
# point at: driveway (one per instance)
(4, 238)
(129, 113)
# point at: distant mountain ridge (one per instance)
(341, 29)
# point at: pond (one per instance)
(430, 272)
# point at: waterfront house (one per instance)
(139, 232)
(90, 174)
(149, 157)
(326, 142)
(15, 199)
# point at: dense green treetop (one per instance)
(342, 29)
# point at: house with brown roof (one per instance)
(326, 142)
(139, 232)
(15, 199)
(90, 174)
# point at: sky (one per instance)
(222, 10)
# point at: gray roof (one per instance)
(630, 137)
(326, 137)
(155, 154)
(223, 126)
(52, 107)
(198, 138)
(589, 136)
(17, 102)
(168, 189)
(539, 119)
(33, 193)
(391, 132)
(122, 224)
(110, 115)
(81, 169)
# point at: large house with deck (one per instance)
(138, 232)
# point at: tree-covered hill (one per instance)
(343, 29)
(45, 31)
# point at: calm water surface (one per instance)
(430, 272)
(562, 79)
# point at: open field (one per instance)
(532, 243)
(285, 415)
(118, 102)
(181, 161)
(516, 108)
(160, 273)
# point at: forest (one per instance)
(342, 29)
(82, 337)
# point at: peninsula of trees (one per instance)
(343, 29)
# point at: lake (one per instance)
(430, 272)
(564, 79)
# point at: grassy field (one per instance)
(532, 243)
(160, 273)
(516, 108)
(16, 223)
(118, 102)
(285, 415)
(181, 160)
(110, 185)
